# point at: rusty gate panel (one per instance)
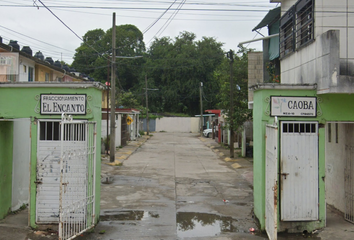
(271, 212)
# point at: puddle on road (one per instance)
(128, 215)
(191, 224)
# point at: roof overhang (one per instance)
(278, 86)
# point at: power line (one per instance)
(173, 16)
(34, 38)
(151, 25)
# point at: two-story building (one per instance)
(304, 125)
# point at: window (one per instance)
(30, 74)
(24, 68)
(296, 27)
(299, 128)
(304, 22)
(329, 132)
(287, 33)
(50, 131)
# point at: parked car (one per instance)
(207, 132)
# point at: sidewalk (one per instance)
(121, 155)
(243, 164)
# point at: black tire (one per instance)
(208, 135)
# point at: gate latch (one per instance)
(284, 175)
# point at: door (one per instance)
(271, 212)
(48, 166)
(48, 177)
(299, 171)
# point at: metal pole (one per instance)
(113, 93)
(231, 105)
(147, 106)
(201, 108)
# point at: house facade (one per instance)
(50, 123)
(303, 126)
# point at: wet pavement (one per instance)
(175, 186)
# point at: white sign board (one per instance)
(74, 104)
(293, 106)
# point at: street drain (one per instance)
(191, 224)
(127, 215)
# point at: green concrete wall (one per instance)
(329, 110)
(24, 102)
(6, 151)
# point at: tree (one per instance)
(241, 113)
(93, 56)
(177, 66)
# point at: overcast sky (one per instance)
(28, 22)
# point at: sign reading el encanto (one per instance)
(74, 104)
(293, 106)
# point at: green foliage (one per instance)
(176, 67)
(241, 113)
(129, 43)
(128, 100)
(176, 114)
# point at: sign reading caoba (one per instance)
(74, 104)
(293, 106)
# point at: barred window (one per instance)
(304, 22)
(287, 33)
(296, 27)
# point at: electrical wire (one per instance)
(34, 1)
(152, 24)
(173, 16)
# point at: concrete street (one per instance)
(175, 187)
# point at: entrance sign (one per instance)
(293, 106)
(74, 104)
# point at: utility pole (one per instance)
(107, 106)
(201, 108)
(231, 56)
(113, 93)
(147, 106)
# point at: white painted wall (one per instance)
(118, 128)
(21, 163)
(23, 75)
(330, 54)
(335, 163)
(177, 124)
(195, 124)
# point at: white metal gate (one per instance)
(299, 171)
(48, 176)
(77, 177)
(271, 212)
(349, 184)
